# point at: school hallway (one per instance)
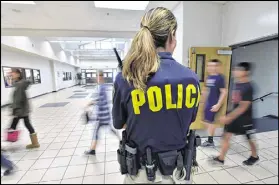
(57, 118)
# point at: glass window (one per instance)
(36, 76)
(110, 75)
(82, 75)
(94, 75)
(64, 76)
(200, 66)
(29, 75)
(88, 75)
(7, 76)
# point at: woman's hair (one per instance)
(157, 25)
(15, 70)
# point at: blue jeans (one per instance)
(6, 163)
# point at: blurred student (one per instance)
(20, 106)
(239, 120)
(6, 164)
(214, 95)
(103, 113)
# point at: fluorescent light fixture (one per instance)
(123, 5)
(18, 2)
(66, 41)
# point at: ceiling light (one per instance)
(65, 41)
(18, 2)
(124, 5)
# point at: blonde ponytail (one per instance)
(142, 58)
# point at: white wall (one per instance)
(202, 25)
(95, 64)
(249, 20)
(61, 67)
(13, 58)
(199, 24)
(178, 52)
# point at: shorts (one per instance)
(241, 126)
(209, 116)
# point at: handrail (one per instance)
(262, 97)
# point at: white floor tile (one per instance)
(61, 161)
(17, 156)
(272, 180)
(75, 171)
(70, 144)
(49, 154)
(204, 179)
(95, 169)
(73, 138)
(80, 151)
(112, 156)
(55, 146)
(100, 179)
(258, 171)
(78, 160)
(255, 182)
(72, 181)
(32, 176)
(223, 177)
(241, 174)
(66, 152)
(115, 178)
(98, 158)
(50, 182)
(32, 155)
(42, 164)
(59, 139)
(270, 166)
(275, 161)
(237, 158)
(112, 167)
(54, 174)
(25, 165)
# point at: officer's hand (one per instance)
(215, 108)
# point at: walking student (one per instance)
(7, 165)
(214, 95)
(103, 113)
(20, 107)
(239, 120)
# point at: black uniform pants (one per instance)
(26, 122)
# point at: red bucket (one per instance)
(12, 135)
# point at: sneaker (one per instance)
(208, 144)
(218, 161)
(90, 152)
(251, 161)
(9, 172)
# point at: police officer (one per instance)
(155, 98)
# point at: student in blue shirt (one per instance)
(155, 98)
(214, 95)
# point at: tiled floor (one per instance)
(64, 138)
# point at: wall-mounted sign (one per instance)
(224, 52)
